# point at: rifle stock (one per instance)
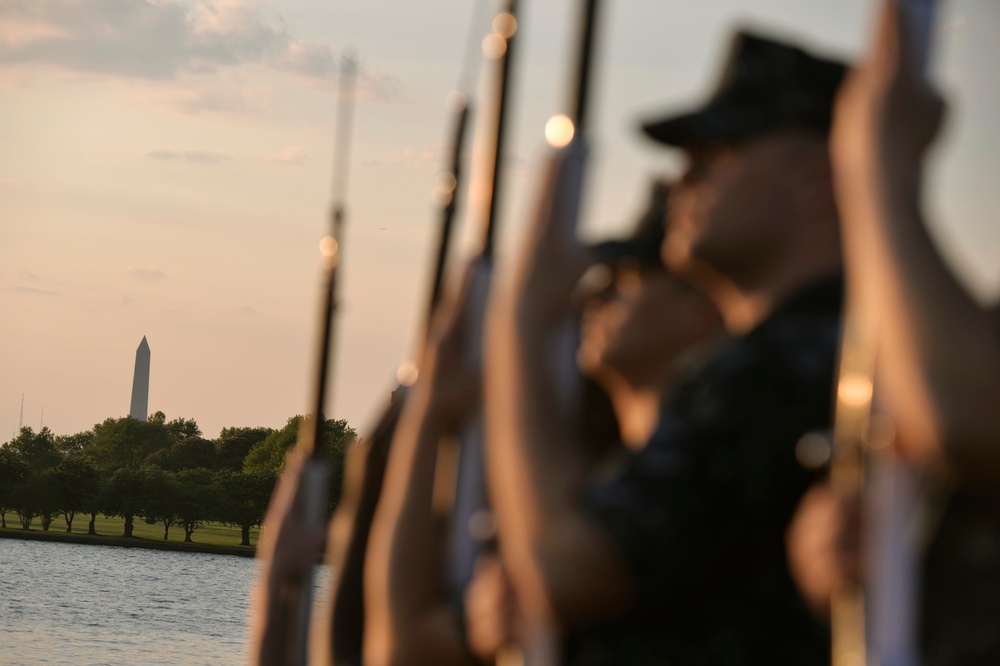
(364, 470)
(879, 624)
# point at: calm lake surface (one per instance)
(89, 605)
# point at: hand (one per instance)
(886, 113)
(551, 261)
(489, 609)
(823, 544)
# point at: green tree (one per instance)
(198, 499)
(233, 445)
(125, 442)
(269, 455)
(79, 488)
(12, 473)
(73, 446)
(48, 496)
(162, 499)
(339, 436)
(181, 429)
(244, 499)
(37, 493)
(36, 450)
(93, 503)
(125, 496)
(189, 453)
(37, 496)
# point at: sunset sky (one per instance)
(165, 172)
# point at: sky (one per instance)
(165, 171)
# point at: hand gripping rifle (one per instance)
(877, 625)
(473, 526)
(312, 498)
(367, 459)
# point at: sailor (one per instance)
(679, 557)
(938, 376)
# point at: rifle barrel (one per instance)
(505, 29)
(446, 191)
(579, 99)
(312, 437)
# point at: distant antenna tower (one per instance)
(20, 420)
(41, 419)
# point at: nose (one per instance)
(698, 160)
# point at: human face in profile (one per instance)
(732, 209)
(637, 327)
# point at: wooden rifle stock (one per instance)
(877, 625)
(364, 470)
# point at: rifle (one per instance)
(366, 460)
(297, 594)
(877, 625)
(472, 527)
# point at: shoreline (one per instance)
(122, 542)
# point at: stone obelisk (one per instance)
(140, 383)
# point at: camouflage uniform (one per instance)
(700, 514)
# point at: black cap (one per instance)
(765, 85)
(642, 247)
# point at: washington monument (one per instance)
(140, 383)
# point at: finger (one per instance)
(884, 50)
(552, 231)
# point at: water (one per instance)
(90, 605)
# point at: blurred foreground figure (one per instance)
(640, 323)
(409, 614)
(641, 329)
(679, 556)
(938, 362)
(636, 328)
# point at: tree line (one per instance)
(163, 472)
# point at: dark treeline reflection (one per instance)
(163, 472)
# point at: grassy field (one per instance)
(209, 534)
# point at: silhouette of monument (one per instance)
(140, 383)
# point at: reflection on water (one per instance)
(78, 604)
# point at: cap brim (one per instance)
(711, 123)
